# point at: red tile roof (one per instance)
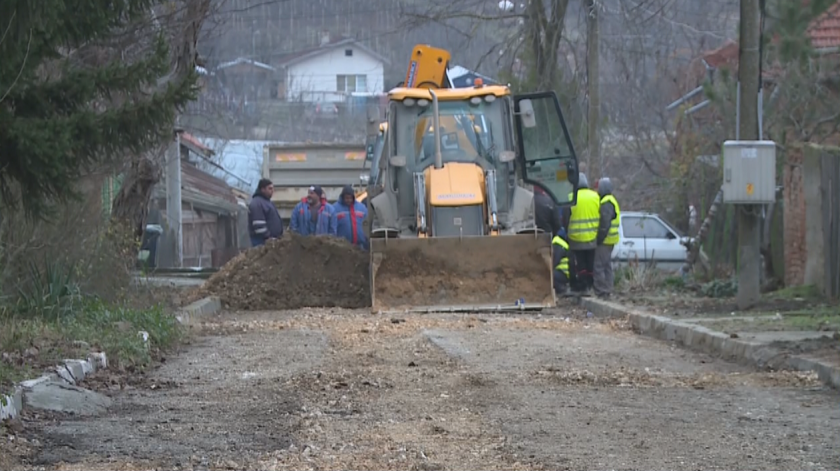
(724, 55)
(185, 136)
(824, 31)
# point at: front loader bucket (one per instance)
(454, 274)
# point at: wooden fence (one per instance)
(830, 189)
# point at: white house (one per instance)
(331, 72)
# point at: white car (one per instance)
(647, 237)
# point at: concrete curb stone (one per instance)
(713, 342)
(11, 405)
(69, 372)
(202, 308)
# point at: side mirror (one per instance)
(507, 156)
(398, 161)
(526, 110)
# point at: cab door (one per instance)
(545, 153)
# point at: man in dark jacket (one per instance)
(263, 220)
(545, 212)
(610, 218)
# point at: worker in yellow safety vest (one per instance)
(581, 224)
(607, 238)
(560, 261)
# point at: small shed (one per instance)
(210, 213)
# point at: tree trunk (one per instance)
(766, 243)
(131, 205)
(544, 30)
(694, 249)
(593, 57)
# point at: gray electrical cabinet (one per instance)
(749, 172)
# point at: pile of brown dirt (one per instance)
(291, 273)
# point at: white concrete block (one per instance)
(65, 374)
(98, 360)
(31, 383)
(11, 405)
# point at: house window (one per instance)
(351, 83)
(348, 52)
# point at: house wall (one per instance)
(314, 79)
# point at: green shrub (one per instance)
(720, 288)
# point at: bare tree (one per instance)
(181, 25)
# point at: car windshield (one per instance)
(470, 132)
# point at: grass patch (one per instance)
(30, 343)
(819, 319)
(806, 292)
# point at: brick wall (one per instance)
(794, 218)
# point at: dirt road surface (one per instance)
(336, 389)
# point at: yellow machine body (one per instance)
(453, 255)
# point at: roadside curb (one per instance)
(67, 372)
(713, 342)
(201, 308)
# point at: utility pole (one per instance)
(749, 224)
(173, 198)
(593, 90)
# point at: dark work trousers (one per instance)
(603, 270)
(584, 269)
(561, 281)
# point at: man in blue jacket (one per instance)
(263, 220)
(313, 215)
(350, 216)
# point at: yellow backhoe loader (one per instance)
(449, 195)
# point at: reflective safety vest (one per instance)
(583, 223)
(564, 262)
(612, 235)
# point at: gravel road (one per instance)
(337, 389)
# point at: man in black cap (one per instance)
(313, 215)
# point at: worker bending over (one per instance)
(560, 261)
(314, 215)
(263, 220)
(607, 238)
(582, 221)
(350, 216)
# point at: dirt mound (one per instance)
(291, 273)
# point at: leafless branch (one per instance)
(22, 66)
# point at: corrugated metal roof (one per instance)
(243, 60)
(202, 190)
(298, 56)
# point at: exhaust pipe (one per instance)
(436, 124)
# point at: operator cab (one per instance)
(473, 129)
